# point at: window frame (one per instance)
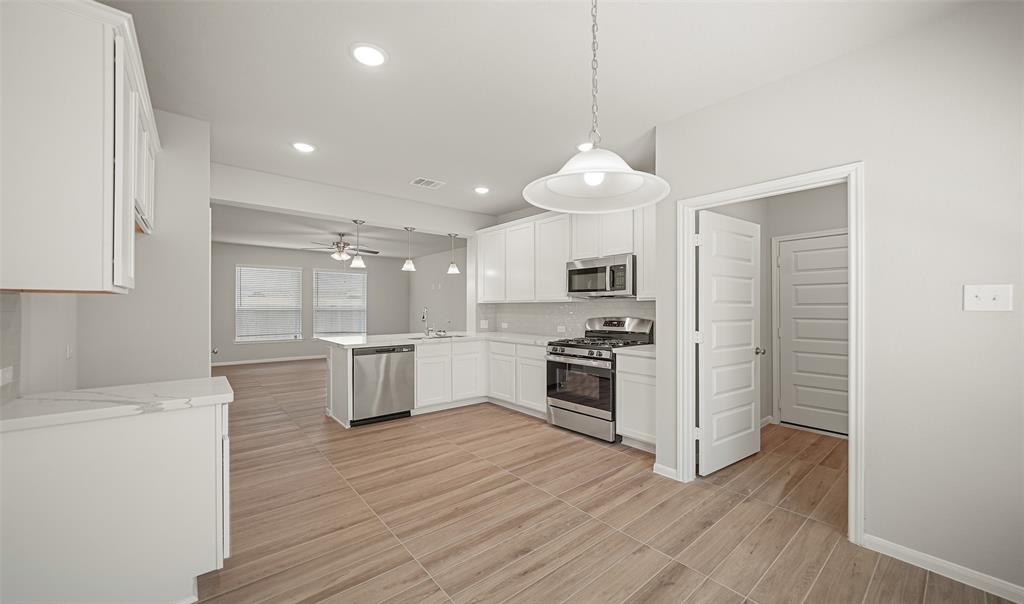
(315, 300)
(302, 310)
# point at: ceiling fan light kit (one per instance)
(595, 180)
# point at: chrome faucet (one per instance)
(427, 331)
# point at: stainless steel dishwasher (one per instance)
(383, 383)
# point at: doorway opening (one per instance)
(770, 307)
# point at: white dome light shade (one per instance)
(409, 266)
(357, 262)
(596, 181)
(369, 55)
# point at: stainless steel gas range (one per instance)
(581, 374)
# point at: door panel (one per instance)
(813, 332)
(729, 391)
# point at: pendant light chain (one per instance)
(595, 134)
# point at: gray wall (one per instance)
(49, 327)
(387, 299)
(443, 294)
(935, 115)
(10, 342)
(790, 214)
(161, 330)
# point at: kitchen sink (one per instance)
(436, 337)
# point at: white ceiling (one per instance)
(256, 227)
(491, 93)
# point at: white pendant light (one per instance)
(409, 266)
(357, 260)
(595, 180)
(453, 269)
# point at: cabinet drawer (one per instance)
(433, 350)
(530, 352)
(503, 348)
(631, 364)
(466, 347)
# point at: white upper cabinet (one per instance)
(554, 249)
(491, 266)
(598, 235)
(520, 263)
(644, 228)
(75, 99)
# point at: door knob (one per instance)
(761, 351)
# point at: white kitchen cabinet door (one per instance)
(501, 376)
(469, 370)
(635, 402)
(532, 383)
(491, 266)
(586, 236)
(126, 106)
(617, 233)
(519, 263)
(644, 223)
(433, 380)
(554, 249)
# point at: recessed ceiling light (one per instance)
(370, 55)
(304, 147)
(482, 190)
(585, 146)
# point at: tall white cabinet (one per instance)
(79, 147)
(554, 250)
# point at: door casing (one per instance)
(686, 401)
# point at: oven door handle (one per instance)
(578, 361)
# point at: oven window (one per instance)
(588, 386)
(587, 279)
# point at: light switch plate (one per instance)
(990, 298)
(560, 329)
(504, 325)
(483, 323)
(6, 375)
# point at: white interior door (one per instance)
(813, 332)
(728, 318)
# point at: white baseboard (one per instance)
(993, 585)
(273, 360)
(667, 472)
(766, 420)
(445, 406)
(519, 408)
(636, 443)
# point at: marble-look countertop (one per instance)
(56, 408)
(647, 350)
(404, 339)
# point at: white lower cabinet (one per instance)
(469, 370)
(532, 383)
(433, 374)
(501, 371)
(635, 398)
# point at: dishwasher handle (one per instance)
(387, 350)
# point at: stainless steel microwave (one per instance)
(609, 277)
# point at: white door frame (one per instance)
(853, 176)
(777, 315)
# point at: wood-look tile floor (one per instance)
(483, 504)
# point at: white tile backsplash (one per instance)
(545, 318)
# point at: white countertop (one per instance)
(647, 350)
(55, 408)
(401, 339)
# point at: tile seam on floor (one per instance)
(835, 546)
(702, 533)
(874, 571)
(649, 579)
(762, 521)
(768, 568)
(385, 524)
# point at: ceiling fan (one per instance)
(340, 249)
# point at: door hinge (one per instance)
(698, 433)
(698, 240)
(698, 337)
(778, 333)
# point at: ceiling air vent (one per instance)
(427, 183)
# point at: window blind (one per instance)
(268, 303)
(339, 303)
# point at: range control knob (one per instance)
(590, 353)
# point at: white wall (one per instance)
(48, 327)
(936, 116)
(387, 299)
(790, 214)
(161, 330)
(443, 294)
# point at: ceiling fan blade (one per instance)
(323, 244)
(363, 250)
(317, 249)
